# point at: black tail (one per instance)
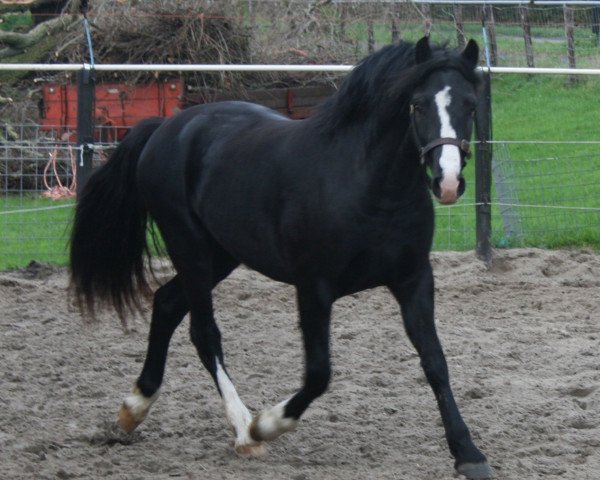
(108, 241)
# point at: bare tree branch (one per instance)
(21, 41)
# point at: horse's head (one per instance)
(442, 109)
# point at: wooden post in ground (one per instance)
(458, 23)
(570, 34)
(370, 33)
(483, 173)
(490, 24)
(343, 13)
(395, 30)
(526, 24)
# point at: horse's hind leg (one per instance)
(169, 307)
(314, 305)
(201, 264)
(206, 337)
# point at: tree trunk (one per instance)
(21, 41)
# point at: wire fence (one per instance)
(547, 195)
(37, 194)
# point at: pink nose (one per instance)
(449, 191)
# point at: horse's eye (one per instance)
(418, 108)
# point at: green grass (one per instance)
(39, 234)
(539, 108)
(16, 21)
(546, 108)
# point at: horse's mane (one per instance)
(383, 82)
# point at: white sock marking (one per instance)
(237, 414)
(450, 158)
(271, 423)
(138, 404)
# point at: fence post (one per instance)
(526, 23)
(483, 173)
(370, 33)
(458, 23)
(85, 124)
(395, 31)
(489, 22)
(569, 32)
(343, 16)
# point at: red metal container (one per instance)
(118, 106)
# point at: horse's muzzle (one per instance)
(448, 190)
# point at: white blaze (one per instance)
(450, 158)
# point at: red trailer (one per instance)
(117, 107)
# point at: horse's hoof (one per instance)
(476, 471)
(127, 420)
(270, 424)
(253, 450)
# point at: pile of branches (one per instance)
(160, 31)
(189, 32)
(208, 32)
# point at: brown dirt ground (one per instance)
(522, 341)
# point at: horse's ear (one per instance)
(471, 53)
(422, 50)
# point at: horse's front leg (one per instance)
(416, 302)
(314, 305)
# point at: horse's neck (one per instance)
(396, 176)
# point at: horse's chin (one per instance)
(447, 198)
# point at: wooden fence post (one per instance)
(569, 32)
(483, 173)
(460, 29)
(343, 13)
(525, 22)
(596, 25)
(370, 33)
(395, 31)
(490, 24)
(427, 21)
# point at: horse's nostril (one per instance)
(435, 186)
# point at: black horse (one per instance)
(334, 204)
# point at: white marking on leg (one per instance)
(237, 414)
(450, 162)
(134, 409)
(139, 405)
(271, 423)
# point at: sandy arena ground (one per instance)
(522, 341)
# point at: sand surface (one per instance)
(522, 341)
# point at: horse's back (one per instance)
(184, 145)
(215, 165)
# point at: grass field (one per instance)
(33, 228)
